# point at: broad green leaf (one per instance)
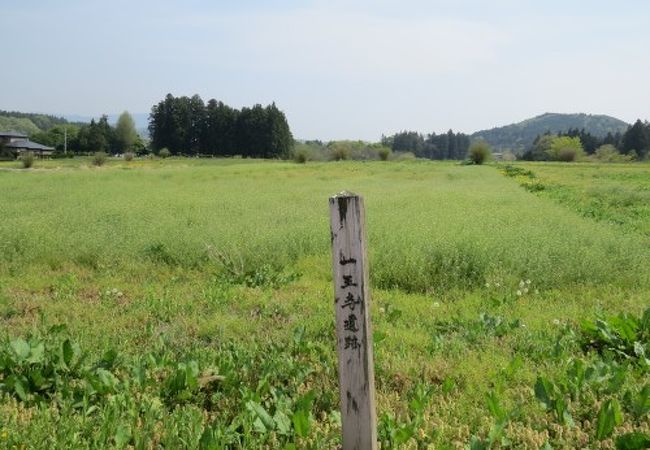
(37, 379)
(106, 378)
(37, 353)
(588, 327)
(122, 436)
(641, 404)
(20, 349)
(304, 402)
(192, 375)
(403, 434)
(625, 326)
(264, 417)
(544, 390)
(300, 420)
(609, 417)
(298, 334)
(493, 405)
(109, 358)
(282, 423)
(20, 389)
(67, 351)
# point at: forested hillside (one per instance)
(28, 123)
(519, 136)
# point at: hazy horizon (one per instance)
(338, 71)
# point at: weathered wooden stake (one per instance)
(353, 330)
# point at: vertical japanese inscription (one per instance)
(353, 331)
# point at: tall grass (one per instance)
(431, 226)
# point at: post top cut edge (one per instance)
(344, 194)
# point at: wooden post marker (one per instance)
(353, 331)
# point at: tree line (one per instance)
(188, 126)
(447, 145)
(634, 143)
(97, 136)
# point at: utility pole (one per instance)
(65, 140)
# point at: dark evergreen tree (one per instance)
(609, 140)
(278, 137)
(443, 146)
(219, 132)
(637, 139)
(96, 141)
(448, 145)
(195, 120)
(164, 125)
(451, 147)
(406, 141)
(538, 151)
(107, 133)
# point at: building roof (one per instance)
(28, 145)
(12, 134)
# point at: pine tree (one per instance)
(636, 139)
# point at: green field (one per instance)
(188, 304)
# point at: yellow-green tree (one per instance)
(565, 148)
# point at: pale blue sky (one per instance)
(339, 69)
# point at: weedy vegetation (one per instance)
(27, 160)
(186, 303)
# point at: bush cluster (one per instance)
(99, 158)
(479, 152)
(27, 160)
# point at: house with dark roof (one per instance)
(19, 144)
(7, 137)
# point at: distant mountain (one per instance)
(518, 136)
